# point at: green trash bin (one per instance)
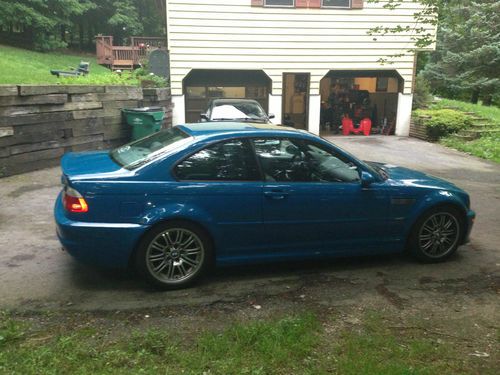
(144, 121)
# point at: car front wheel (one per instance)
(436, 235)
(174, 255)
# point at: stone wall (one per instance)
(38, 124)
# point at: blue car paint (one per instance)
(245, 221)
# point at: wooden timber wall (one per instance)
(38, 124)
(419, 130)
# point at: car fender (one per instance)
(179, 211)
(431, 200)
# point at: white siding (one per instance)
(230, 34)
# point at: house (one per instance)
(292, 55)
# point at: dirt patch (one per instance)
(392, 297)
(26, 189)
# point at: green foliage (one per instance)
(441, 122)
(486, 147)
(422, 94)
(288, 345)
(467, 60)
(423, 19)
(126, 17)
(376, 349)
(10, 330)
(490, 113)
(50, 24)
(261, 347)
(110, 78)
(42, 19)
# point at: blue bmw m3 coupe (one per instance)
(176, 202)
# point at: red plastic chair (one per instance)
(366, 126)
(347, 126)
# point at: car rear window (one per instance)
(136, 153)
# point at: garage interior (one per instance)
(203, 85)
(359, 94)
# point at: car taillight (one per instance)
(73, 201)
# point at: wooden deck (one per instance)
(125, 57)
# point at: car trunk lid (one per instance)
(88, 164)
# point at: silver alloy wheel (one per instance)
(175, 255)
(439, 235)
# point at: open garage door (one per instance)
(203, 85)
(359, 95)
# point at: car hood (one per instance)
(409, 177)
(88, 164)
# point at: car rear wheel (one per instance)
(174, 255)
(436, 235)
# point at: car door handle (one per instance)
(276, 195)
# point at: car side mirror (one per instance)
(204, 116)
(367, 179)
(271, 116)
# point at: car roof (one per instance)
(241, 128)
(233, 100)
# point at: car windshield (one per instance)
(135, 154)
(244, 111)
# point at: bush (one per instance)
(138, 77)
(44, 43)
(422, 94)
(111, 78)
(441, 122)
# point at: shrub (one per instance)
(44, 43)
(441, 122)
(111, 78)
(422, 95)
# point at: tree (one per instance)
(50, 24)
(41, 20)
(467, 59)
(427, 16)
(125, 21)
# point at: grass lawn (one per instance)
(295, 344)
(492, 113)
(486, 147)
(19, 66)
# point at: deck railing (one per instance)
(108, 54)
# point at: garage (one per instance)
(358, 98)
(202, 85)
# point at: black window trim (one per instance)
(301, 140)
(261, 177)
(279, 6)
(336, 7)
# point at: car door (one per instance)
(313, 201)
(221, 183)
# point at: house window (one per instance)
(279, 3)
(382, 84)
(336, 3)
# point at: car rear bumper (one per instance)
(101, 244)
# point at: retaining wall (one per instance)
(38, 124)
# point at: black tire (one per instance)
(167, 257)
(436, 235)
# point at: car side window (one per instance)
(225, 161)
(289, 160)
